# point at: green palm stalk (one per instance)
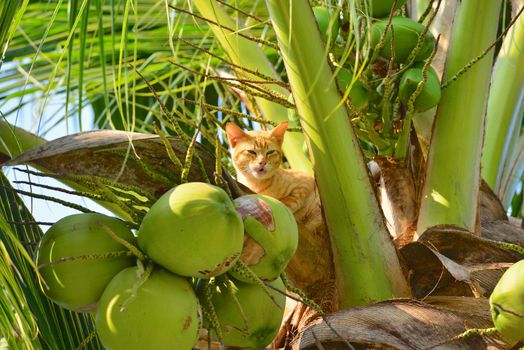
(450, 192)
(507, 89)
(513, 170)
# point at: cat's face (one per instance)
(256, 154)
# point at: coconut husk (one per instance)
(465, 248)
(453, 262)
(399, 185)
(398, 199)
(431, 273)
(491, 208)
(503, 231)
(397, 324)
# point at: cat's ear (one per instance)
(279, 131)
(234, 133)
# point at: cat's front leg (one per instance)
(292, 203)
(296, 199)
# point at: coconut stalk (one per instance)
(366, 264)
(450, 192)
(507, 90)
(248, 54)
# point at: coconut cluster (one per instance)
(196, 252)
(394, 40)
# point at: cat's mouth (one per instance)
(260, 172)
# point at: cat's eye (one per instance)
(253, 152)
(270, 152)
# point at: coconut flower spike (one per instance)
(209, 311)
(304, 298)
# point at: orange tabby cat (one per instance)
(257, 156)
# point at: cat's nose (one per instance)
(262, 162)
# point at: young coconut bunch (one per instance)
(192, 231)
(407, 84)
(79, 255)
(390, 80)
(405, 34)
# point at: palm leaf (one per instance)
(10, 13)
(71, 58)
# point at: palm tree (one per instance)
(180, 70)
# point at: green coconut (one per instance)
(161, 314)
(262, 314)
(324, 20)
(507, 304)
(429, 96)
(193, 230)
(358, 94)
(271, 235)
(407, 32)
(77, 258)
(382, 8)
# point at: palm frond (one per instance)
(10, 14)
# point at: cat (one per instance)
(257, 156)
